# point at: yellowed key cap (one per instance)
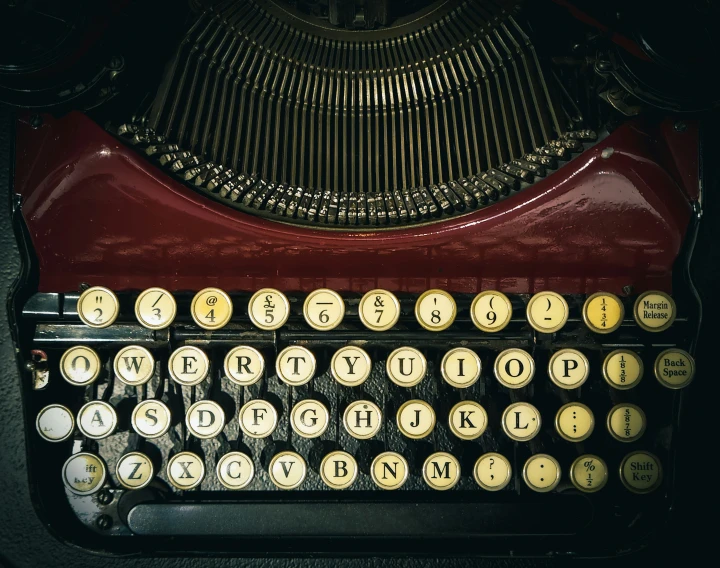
(626, 422)
(269, 309)
(338, 470)
(589, 473)
(491, 311)
(188, 365)
(568, 369)
(623, 369)
(641, 472)
(435, 310)
(461, 367)
(324, 309)
(441, 471)
(603, 312)
(80, 366)
(492, 471)
(514, 368)
(84, 473)
(295, 365)
(98, 307)
(654, 311)
(674, 368)
(211, 308)
(406, 366)
(287, 470)
(244, 365)
(151, 419)
(362, 419)
(185, 470)
(416, 419)
(134, 470)
(521, 421)
(309, 418)
(134, 365)
(235, 470)
(55, 423)
(541, 473)
(97, 419)
(574, 422)
(350, 366)
(547, 312)
(205, 419)
(379, 310)
(155, 308)
(467, 420)
(389, 470)
(258, 418)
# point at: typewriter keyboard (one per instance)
(169, 397)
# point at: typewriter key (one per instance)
(244, 365)
(134, 470)
(461, 367)
(491, 311)
(574, 422)
(258, 418)
(55, 423)
(287, 470)
(389, 470)
(492, 471)
(235, 470)
(603, 312)
(541, 473)
(416, 419)
(641, 472)
(547, 312)
(269, 309)
(379, 310)
(589, 473)
(514, 368)
(80, 366)
(626, 422)
(155, 308)
(622, 369)
(674, 368)
(185, 470)
(521, 421)
(188, 365)
(134, 365)
(98, 307)
(205, 419)
(84, 473)
(97, 419)
(338, 470)
(151, 419)
(324, 309)
(211, 308)
(468, 420)
(406, 366)
(309, 418)
(350, 366)
(362, 419)
(568, 368)
(295, 365)
(441, 471)
(435, 310)
(654, 311)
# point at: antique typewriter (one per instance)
(357, 276)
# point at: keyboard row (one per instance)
(379, 310)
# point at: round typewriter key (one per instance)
(324, 309)
(151, 419)
(55, 423)
(350, 366)
(406, 366)
(205, 419)
(98, 307)
(547, 312)
(134, 365)
(603, 312)
(641, 472)
(441, 471)
(541, 473)
(80, 366)
(574, 422)
(338, 470)
(362, 419)
(295, 365)
(568, 368)
(589, 473)
(244, 365)
(435, 310)
(84, 473)
(185, 470)
(134, 470)
(97, 419)
(269, 309)
(211, 308)
(287, 470)
(514, 368)
(258, 418)
(389, 470)
(379, 310)
(467, 420)
(416, 419)
(188, 365)
(626, 422)
(674, 368)
(622, 369)
(492, 471)
(654, 311)
(491, 311)
(235, 470)
(309, 418)
(155, 308)
(521, 421)
(461, 367)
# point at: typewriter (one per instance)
(356, 276)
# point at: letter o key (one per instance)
(514, 368)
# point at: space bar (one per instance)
(564, 516)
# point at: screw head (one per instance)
(105, 497)
(104, 522)
(680, 126)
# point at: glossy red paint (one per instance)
(97, 212)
